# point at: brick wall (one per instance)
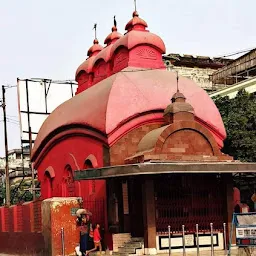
(19, 218)
(120, 239)
(37, 216)
(1, 228)
(128, 144)
(6, 219)
(17, 224)
(187, 142)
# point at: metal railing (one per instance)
(197, 240)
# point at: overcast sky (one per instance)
(50, 38)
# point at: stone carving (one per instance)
(145, 53)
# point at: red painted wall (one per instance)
(21, 242)
(73, 152)
(20, 229)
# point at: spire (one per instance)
(135, 6)
(115, 25)
(136, 23)
(179, 109)
(177, 81)
(95, 31)
(112, 37)
(96, 47)
(178, 96)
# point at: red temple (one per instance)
(139, 162)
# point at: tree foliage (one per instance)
(239, 117)
(18, 192)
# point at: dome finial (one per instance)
(177, 81)
(135, 13)
(135, 5)
(115, 24)
(95, 31)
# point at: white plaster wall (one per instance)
(220, 247)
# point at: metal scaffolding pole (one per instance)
(7, 179)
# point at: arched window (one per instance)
(47, 185)
(88, 164)
(68, 184)
(92, 186)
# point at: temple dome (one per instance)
(105, 54)
(178, 95)
(138, 35)
(136, 23)
(113, 36)
(87, 65)
(122, 97)
(95, 48)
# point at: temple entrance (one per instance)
(189, 200)
(136, 208)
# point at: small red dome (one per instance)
(95, 48)
(112, 37)
(86, 66)
(136, 23)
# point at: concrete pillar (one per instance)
(149, 217)
(228, 183)
(59, 213)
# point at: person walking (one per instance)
(96, 240)
(84, 228)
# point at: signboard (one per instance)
(245, 224)
(245, 232)
(73, 211)
(37, 98)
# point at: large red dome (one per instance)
(127, 94)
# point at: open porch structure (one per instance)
(144, 198)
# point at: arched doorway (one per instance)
(68, 185)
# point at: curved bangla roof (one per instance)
(136, 37)
(126, 94)
(87, 65)
(129, 40)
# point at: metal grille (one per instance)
(97, 208)
(189, 200)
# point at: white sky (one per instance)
(50, 38)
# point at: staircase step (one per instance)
(134, 244)
(137, 239)
(120, 254)
(127, 249)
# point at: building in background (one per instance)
(16, 163)
(237, 75)
(197, 68)
(19, 169)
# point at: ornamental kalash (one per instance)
(140, 147)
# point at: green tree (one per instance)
(239, 117)
(19, 192)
